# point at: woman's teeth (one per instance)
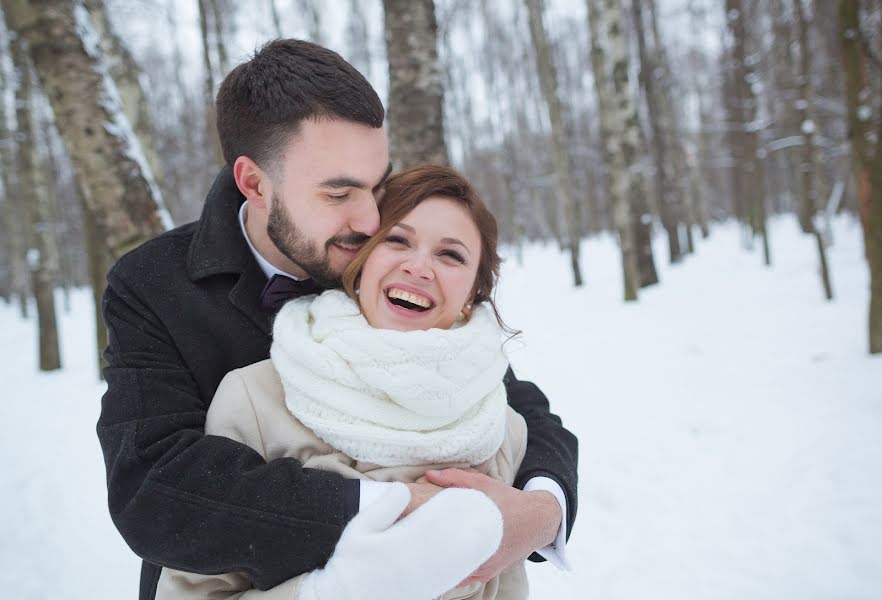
(419, 302)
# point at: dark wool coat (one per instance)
(182, 310)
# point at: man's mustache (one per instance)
(351, 239)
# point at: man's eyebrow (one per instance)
(342, 182)
(350, 182)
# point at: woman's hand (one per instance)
(416, 558)
(531, 519)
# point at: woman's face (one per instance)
(422, 274)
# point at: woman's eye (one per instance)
(454, 255)
(396, 239)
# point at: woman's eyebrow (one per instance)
(455, 241)
(447, 240)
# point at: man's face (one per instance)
(324, 205)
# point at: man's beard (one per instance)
(303, 252)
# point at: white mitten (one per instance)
(419, 558)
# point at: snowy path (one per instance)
(730, 429)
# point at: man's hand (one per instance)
(420, 493)
(530, 519)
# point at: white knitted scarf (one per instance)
(388, 397)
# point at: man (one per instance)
(302, 133)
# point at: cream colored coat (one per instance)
(249, 406)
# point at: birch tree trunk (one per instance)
(641, 216)
(623, 138)
(111, 172)
(416, 95)
(809, 167)
(126, 75)
(866, 159)
(42, 254)
(563, 185)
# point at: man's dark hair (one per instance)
(262, 103)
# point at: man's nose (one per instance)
(366, 217)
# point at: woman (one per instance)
(399, 374)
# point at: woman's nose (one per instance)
(418, 265)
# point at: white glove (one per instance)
(419, 558)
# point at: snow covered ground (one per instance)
(730, 428)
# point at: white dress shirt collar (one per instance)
(265, 266)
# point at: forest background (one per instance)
(642, 118)
(690, 200)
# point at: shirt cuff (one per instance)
(351, 499)
(556, 551)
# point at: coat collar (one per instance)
(218, 247)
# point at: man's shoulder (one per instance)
(165, 254)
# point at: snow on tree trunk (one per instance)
(563, 186)
(111, 170)
(641, 216)
(866, 160)
(416, 95)
(42, 253)
(126, 75)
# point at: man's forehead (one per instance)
(339, 154)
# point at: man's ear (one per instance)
(252, 182)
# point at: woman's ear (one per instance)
(466, 311)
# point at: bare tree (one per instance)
(210, 63)
(42, 254)
(623, 133)
(866, 157)
(277, 20)
(416, 95)
(358, 39)
(563, 185)
(15, 222)
(809, 168)
(749, 174)
(112, 174)
(667, 150)
(311, 14)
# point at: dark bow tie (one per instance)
(279, 289)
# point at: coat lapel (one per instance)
(218, 247)
(245, 296)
